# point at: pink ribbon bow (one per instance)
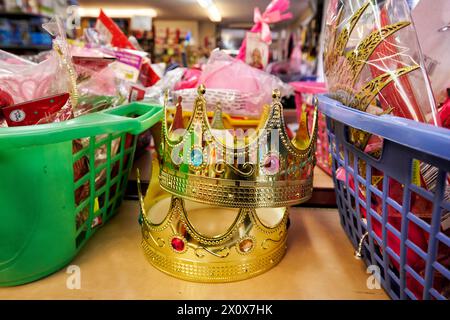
(272, 14)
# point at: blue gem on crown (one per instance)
(196, 157)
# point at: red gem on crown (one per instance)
(177, 244)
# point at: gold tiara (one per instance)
(214, 166)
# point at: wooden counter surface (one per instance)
(319, 264)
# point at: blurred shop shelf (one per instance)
(23, 49)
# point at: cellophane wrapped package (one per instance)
(9, 60)
(373, 63)
(155, 93)
(242, 89)
(373, 58)
(24, 84)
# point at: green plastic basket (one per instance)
(42, 226)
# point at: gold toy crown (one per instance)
(262, 168)
(178, 240)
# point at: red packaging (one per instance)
(38, 111)
(136, 94)
(108, 28)
(5, 99)
(444, 114)
(392, 97)
(148, 76)
(93, 63)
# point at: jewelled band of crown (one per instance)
(245, 176)
(248, 248)
(343, 69)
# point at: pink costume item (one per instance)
(39, 93)
(189, 80)
(295, 61)
(306, 87)
(102, 82)
(241, 89)
(9, 58)
(272, 14)
(30, 82)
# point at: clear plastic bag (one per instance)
(373, 63)
(26, 82)
(99, 90)
(373, 58)
(67, 73)
(9, 60)
(224, 73)
(155, 93)
(232, 102)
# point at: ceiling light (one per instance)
(214, 14)
(213, 11)
(117, 12)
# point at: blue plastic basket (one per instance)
(404, 142)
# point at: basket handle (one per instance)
(133, 118)
(146, 115)
(404, 140)
(433, 140)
